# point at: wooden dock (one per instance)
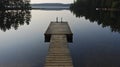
(58, 34)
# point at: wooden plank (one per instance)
(58, 34)
(59, 54)
(58, 28)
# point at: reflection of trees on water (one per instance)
(13, 18)
(14, 13)
(105, 18)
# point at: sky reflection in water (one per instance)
(92, 45)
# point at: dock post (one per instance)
(57, 19)
(61, 20)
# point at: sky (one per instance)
(51, 1)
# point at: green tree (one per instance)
(14, 4)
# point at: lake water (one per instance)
(93, 45)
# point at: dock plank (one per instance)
(58, 28)
(58, 52)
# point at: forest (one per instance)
(97, 3)
(14, 4)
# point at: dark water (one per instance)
(22, 40)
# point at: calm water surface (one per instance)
(93, 45)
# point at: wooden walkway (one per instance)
(58, 53)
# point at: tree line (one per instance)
(14, 4)
(97, 3)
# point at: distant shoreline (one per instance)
(51, 6)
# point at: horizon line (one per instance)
(48, 2)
